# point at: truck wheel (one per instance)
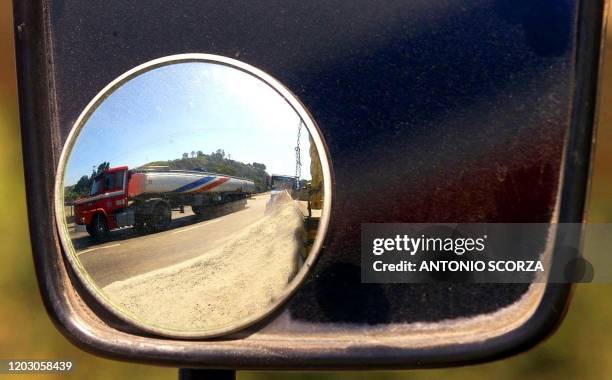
(198, 210)
(161, 217)
(140, 227)
(140, 219)
(98, 228)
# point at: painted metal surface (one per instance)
(478, 111)
(464, 105)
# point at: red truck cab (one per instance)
(108, 196)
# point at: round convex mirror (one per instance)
(192, 195)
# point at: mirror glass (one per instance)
(192, 195)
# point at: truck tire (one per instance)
(140, 218)
(98, 229)
(198, 210)
(141, 227)
(160, 217)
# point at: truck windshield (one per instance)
(96, 186)
(113, 181)
(107, 182)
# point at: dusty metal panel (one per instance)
(474, 115)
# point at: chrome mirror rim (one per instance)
(68, 248)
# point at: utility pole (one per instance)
(298, 159)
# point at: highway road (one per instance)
(127, 254)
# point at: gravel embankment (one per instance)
(224, 285)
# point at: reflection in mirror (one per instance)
(193, 194)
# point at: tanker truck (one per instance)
(145, 198)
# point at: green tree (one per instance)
(218, 155)
(102, 167)
(83, 185)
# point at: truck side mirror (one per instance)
(222, 267)
(408, 122)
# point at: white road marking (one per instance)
(93, 249)
(198, 226)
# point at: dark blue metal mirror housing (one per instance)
(432, 112)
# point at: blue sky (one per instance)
(187, 107)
